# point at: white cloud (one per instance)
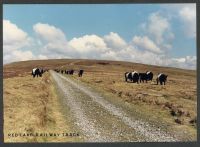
(188, 62)
(13, 37)
(114, 41)
(146, 43)
(88, 46)
(158, 27)
(49, 33)
(110, 55)
(53, 44)
(188, 17)
(18, 55)
(52, 41)
(42, 57)
(186, 14)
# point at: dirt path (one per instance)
(98, 120)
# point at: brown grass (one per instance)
(31, 106)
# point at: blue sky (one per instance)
(126, 32)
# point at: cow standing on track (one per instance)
(71, 72)
(36, 72)
(41, 71)
(80, 73)
(162, 78)
(132, 76)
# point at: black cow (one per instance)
(71, 72)
(143, 77)
(162, 78)
(80, 73)
(57, 70)
(149, 76)
(132, 76)
(36, 72)
(66, 72)
(41, 71)
(62, 71)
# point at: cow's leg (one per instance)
(157, 81)
(160, 82)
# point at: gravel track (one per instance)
(101, 121)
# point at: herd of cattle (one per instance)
(141, 77)
(129, 76)
(39, 71)
(70, 72)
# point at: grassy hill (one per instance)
(174, 104)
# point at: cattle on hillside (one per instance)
(143, 77)
(162, 78)
(149, 76)
(37, 72)
(41, 70)
(57, 70)
(132, 76)
(69, 72)
(80, 73)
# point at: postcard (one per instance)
(99, 73)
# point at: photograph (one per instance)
(82, 73)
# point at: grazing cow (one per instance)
(80, 73)
(71, 72)
(143, 77)
(128, 76)
(132, 76)
(41, 71)
(162, 78)
(66, 72)
(36, 72)
(149, 75)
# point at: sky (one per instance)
(156, 34)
